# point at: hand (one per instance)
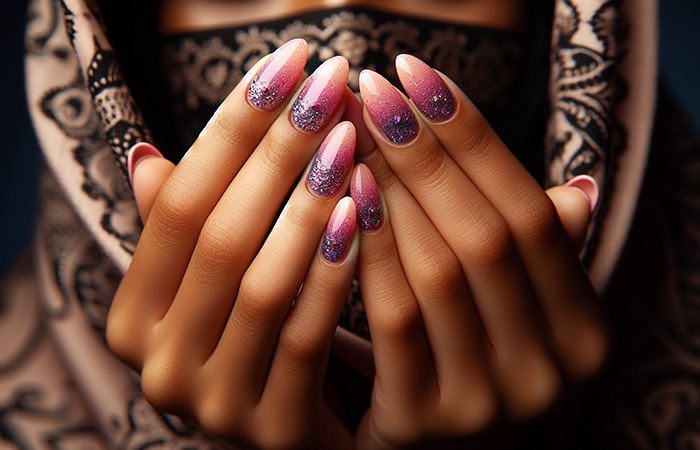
(210, 311)
(480, 312)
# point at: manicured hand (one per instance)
(480, 312)
(229, 327)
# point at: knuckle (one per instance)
(474, 413)
(490, 246)
(217, 248)
(258, 300)
(440, 274)
(301, 344)
(121, 339)
(399, 321)
(430, 168)
(277, 159)
(478, 137)
(163, 383)
(541, 389)
(538, 224)
(173, 212)
(594, 343)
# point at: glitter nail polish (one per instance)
(388, 109)
(368, 202)
(278, 76)
(340, 231)
(333, 160)
(426, 88)
(320, 95)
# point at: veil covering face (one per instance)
(575, 95)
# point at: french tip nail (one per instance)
(138, 153)
(588, 186)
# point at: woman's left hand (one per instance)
(480, 311)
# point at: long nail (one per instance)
(321, 95)
(279, 75)
(365, 193)
(340, 231)
(588, 187)
(426, 88)
(138, 153)
(333, 160)
(388, 109)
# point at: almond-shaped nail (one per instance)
(588, 187)
(340, 231)
(387, 108)
(278, 77)
(138, 153)
(321, 95)
(426, 88)
(332, 161)
(368, 202)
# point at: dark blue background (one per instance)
(680, 65)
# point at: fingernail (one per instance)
(426, 88)
(368, 202)
(588, 186)
(333, 160)
(388, 109)
(340, 231)
(353, 112)
(138, 153)
(321, 95)
(278, 76)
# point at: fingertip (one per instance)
(148, 171)
(573, 209)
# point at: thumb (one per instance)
(575, 203)
(148, 170)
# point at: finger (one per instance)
(236, 228)
(402, 357)
(562, 288)
(263, 300)
(148, 170)
(194, 188)
(575, 203)
(299, 364)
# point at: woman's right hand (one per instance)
(210, 311)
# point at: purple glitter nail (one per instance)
(426, 88)
(365, 193)
(278, 76)
(333, 160)
(321, 95)
(340, 231)
(388, 109)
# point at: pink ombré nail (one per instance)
(333, 160)
(320, 95)
(368, 202)
(426, 88)
(340, 231)
(279, 75)
(388, 109)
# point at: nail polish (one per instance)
(340, 231)
(333, 160)
(364, 144)
(321, 95)
(588, 187)
(426, 88)
(368, 202)
(278, 77)
(388, 109)
(138, 153)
